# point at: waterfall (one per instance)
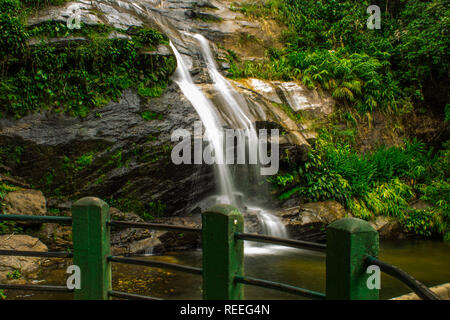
(210, 119)
(232, 108)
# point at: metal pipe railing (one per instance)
(156, 264)
(299, 244)
(37, 254)
(130, 296)
(418, 287)
(223, 237)
(39, 219)
(279, 287)
(152, 226)
(35, 287)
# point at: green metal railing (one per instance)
(352, 245)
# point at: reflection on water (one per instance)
(427, 261)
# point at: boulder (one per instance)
(388, 228)
(295, 95)
(308, 221)
(171, 241)
(26, 265)
(25, 202)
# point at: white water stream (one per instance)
(232, 107)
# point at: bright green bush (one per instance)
(328, 44)
(382, 182)
(75, 77)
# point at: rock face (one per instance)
(308, 221)
(24, 264)
(25, 202)
(293, 94)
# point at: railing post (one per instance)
(223, 255)
(91, 248)
(349, 241)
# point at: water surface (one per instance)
(427, 261)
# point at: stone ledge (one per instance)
(442, 290)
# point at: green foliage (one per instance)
(14, 275)
(329, 45)
(150, 37)
(42, 3)
(12, 32)
(420, 222)
(151, 92)
(85, 160)
(149, 115)
(7, 227)
(2, 295)
(382, 182)
(154, 209)
(148, 211)
(77, 76)
(80, 163)
(11, 154)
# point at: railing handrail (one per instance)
(126, 295)
(152, 226)
(299, 244)
(418, 287)
(37, 254)
(34, 287)
(42, 219)
(156, 264)
(279, 287)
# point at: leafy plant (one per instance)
(77, 77)
(382, 182)
(149, 115)
(328, 45)
(14, 275)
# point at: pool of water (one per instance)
(427, 261)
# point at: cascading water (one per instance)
(207, 113)
(232, 108)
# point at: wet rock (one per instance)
(388, 228)
(225, 65)
(26, 265)
(83, 9)
(149, 172)
(308, 221)
(15, 181)
(25, 202)
(205, 4)
(191, 14)
(179, 241)
(293, 94)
